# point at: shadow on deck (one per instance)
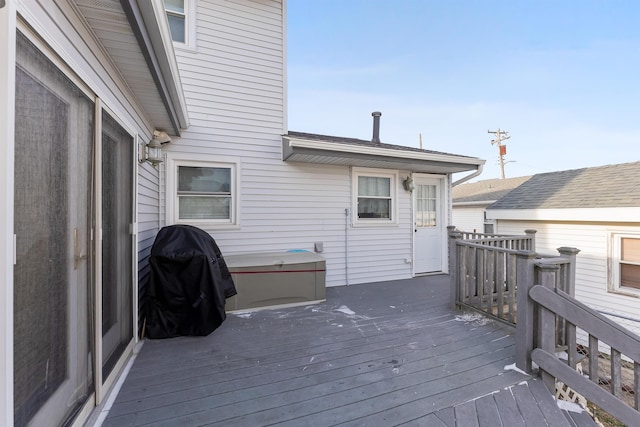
(387, 353)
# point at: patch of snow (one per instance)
(569, 406)
(473, 317)
(513, 367)
(244, 315)
(346, 310)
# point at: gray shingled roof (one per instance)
(365, 143)
(598, 187)
(488, 190)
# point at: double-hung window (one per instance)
(177, 17)
(630, 262)
(181, 18)
(626, 262)
(374, 197)
(204, 193)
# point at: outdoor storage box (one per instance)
(276, 278)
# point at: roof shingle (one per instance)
(598, 187)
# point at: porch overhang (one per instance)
(352, 152)
(137, 39)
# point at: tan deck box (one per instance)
(270, 279)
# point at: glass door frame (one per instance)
(104, 385)
(101, 386)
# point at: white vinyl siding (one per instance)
(235, 94)
(469, 219)
(594, 278)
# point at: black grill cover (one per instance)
(189, 284)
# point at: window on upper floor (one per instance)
(202, 193)
(177, 17)
(181, 18)
(626, 262)
(374, 197)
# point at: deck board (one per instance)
(388, 353)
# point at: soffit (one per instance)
(109, 22)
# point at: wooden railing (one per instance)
(505, 278)
(538, 342)
(483, 271)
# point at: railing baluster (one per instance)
(616, 374)
(636, 384)
(500, 283)
(593, 359)
(480, 278)
(572, 345)
(512, 271)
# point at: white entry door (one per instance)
(429, 231)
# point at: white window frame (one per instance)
(614, 265)
(189, 25)
(173, 163)
(393, 193)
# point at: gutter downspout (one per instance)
(471, 176)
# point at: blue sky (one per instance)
(563, 77)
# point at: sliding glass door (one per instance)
(117, 243)
(52, 332)
(75, 240)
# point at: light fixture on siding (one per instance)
(408, 184)
(152, 151)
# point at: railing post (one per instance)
(546, 325)
(525, 315)
(532, 233)
(454, 236)
(567, 331)
(570, 253)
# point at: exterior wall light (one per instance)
(152, 151)
(408, 184)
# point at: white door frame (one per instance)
(442, 220)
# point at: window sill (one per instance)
(210, 225)
(627, 292)
(374, 224)
(184, 47)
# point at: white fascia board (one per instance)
(157, 27)
(579, 214)
(378, 151)
(475, 203)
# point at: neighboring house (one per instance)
(596, 210)
(470, 201)
(84, 85)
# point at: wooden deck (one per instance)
(379, 354)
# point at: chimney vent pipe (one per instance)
(376, 127)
